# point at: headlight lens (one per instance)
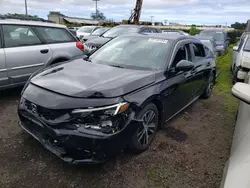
(108, 119)
(109, 110)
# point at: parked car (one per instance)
(237, 169)
(86, 31)
(88, 110)
(26, 46)
(92, 45)
(97, 33)
(241, 59)
(74, 28)
(175, 32)
(220, 37)
(209, 42)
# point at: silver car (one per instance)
(26, 46)
(241, 59)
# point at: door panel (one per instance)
(200, 61)
(179, 91)
(4, 80)
(24, 61)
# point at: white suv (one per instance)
(26, 46)
(241, 59)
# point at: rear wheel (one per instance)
(145, 133)
(209, 87)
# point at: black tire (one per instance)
(138, 143)
(235, 72)
(209, 87)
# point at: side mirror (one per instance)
(242, 92)
(235, 48)
(184, 65)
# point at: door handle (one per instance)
(44, 51)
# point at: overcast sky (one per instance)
(181, 11)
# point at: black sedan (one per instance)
(85, 111)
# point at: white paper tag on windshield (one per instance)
(158, 40)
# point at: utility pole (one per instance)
(96, 10)
(152, 19)
(26, 8)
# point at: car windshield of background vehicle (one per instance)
(208, 44)
(133, 53)
(116, 31)
(85, 29)
(247, 45)
(99, 31)
(218, 36)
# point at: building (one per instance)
(60, 19)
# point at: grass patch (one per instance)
(224, 85)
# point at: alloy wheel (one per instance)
(210, 85)
(147, 131)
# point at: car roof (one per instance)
(33, 23)
(130, 25)
(161, 36)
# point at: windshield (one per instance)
(99, 31)
(247, 45)
(218, 36)
(116, 31)
(133, 53)
(85, 29)
(208, 44)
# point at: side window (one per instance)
(55, 35)
(198, 50)
(182, 54)
(153, 30)
(18, 35)
(207, 50)
(146, 30)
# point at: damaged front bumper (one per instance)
(78, 145)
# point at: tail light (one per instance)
(80, 46)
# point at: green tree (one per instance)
(194, 31)
(99, 16)
(238, 25)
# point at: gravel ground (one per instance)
(189, 152)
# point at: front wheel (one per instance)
(209, 87)
(145, 133)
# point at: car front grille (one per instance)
(48, 114)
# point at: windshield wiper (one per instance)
(118, 66)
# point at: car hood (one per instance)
(98, 42)
(84, 79)
(219, 43)
(89, 37)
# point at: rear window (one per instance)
(247, 45)
(55, 35)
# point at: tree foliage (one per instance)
(21, 16)
(99, 16)
(194, 31)
(238, 25)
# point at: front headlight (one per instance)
(107, 119)
(108, 110)
(245, 62)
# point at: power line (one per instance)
(96, 10)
